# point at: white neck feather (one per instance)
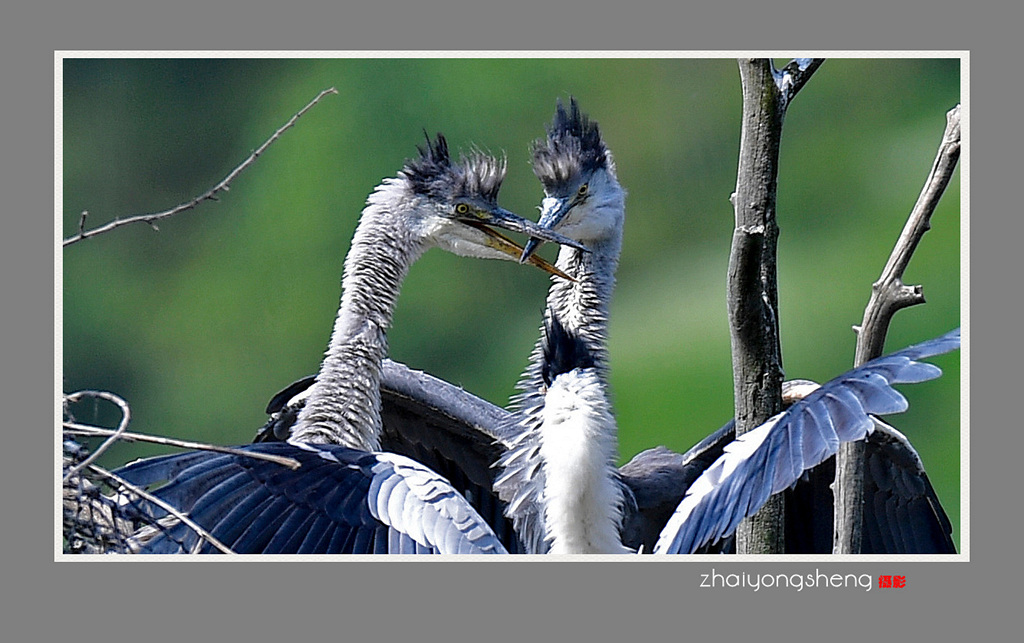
(578, 448)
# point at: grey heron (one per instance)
(462, 436)
(770, 459)
(581, 499)
(347, 496)
(583, 197)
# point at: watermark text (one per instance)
(799, 582)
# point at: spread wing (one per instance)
(338, 501)
(775, 455)
(440, 425)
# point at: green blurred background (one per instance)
(197, 325)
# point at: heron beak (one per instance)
(552, 212)
(501, 218)
(501, 243)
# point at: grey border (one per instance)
(467, 600)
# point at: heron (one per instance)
(576, 168)
(496, 454)
(583, 200)
(347, 496)
(768, 460)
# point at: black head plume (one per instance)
(563, 351)
(435, 175)
(572, 147)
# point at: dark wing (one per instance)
(437, 424)
(775, 455)
(902, 514)
(339, 501)
(453, 432)
(460, 436)
(283, 410)
(659, 479)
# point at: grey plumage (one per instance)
(773, 456)
(524, 476)
(655, 481)
(396, 227)
(346, 495)
(567, 161)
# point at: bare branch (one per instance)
(888, 295)
(85, 430)
(103, 515)
(753, 281)
(209, 195)
(126, 416)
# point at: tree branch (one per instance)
(126, 416)
(888, 295)
(753, 281)
(85, 430)
(101, 516)
(211, 194)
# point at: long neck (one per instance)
(574, 502)
(343, 406)
(582, 308)
(578, 435)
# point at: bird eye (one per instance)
(462, 209)
(583, 190)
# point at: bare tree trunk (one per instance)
(753, 283)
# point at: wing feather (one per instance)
(734, 486)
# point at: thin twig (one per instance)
(126, 416)
(209, 195)
(205, 535)
(85, 430)
(753, 280)
(888, 295)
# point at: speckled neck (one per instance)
(344, 404)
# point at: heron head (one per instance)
(582, 196)
(460, 210)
